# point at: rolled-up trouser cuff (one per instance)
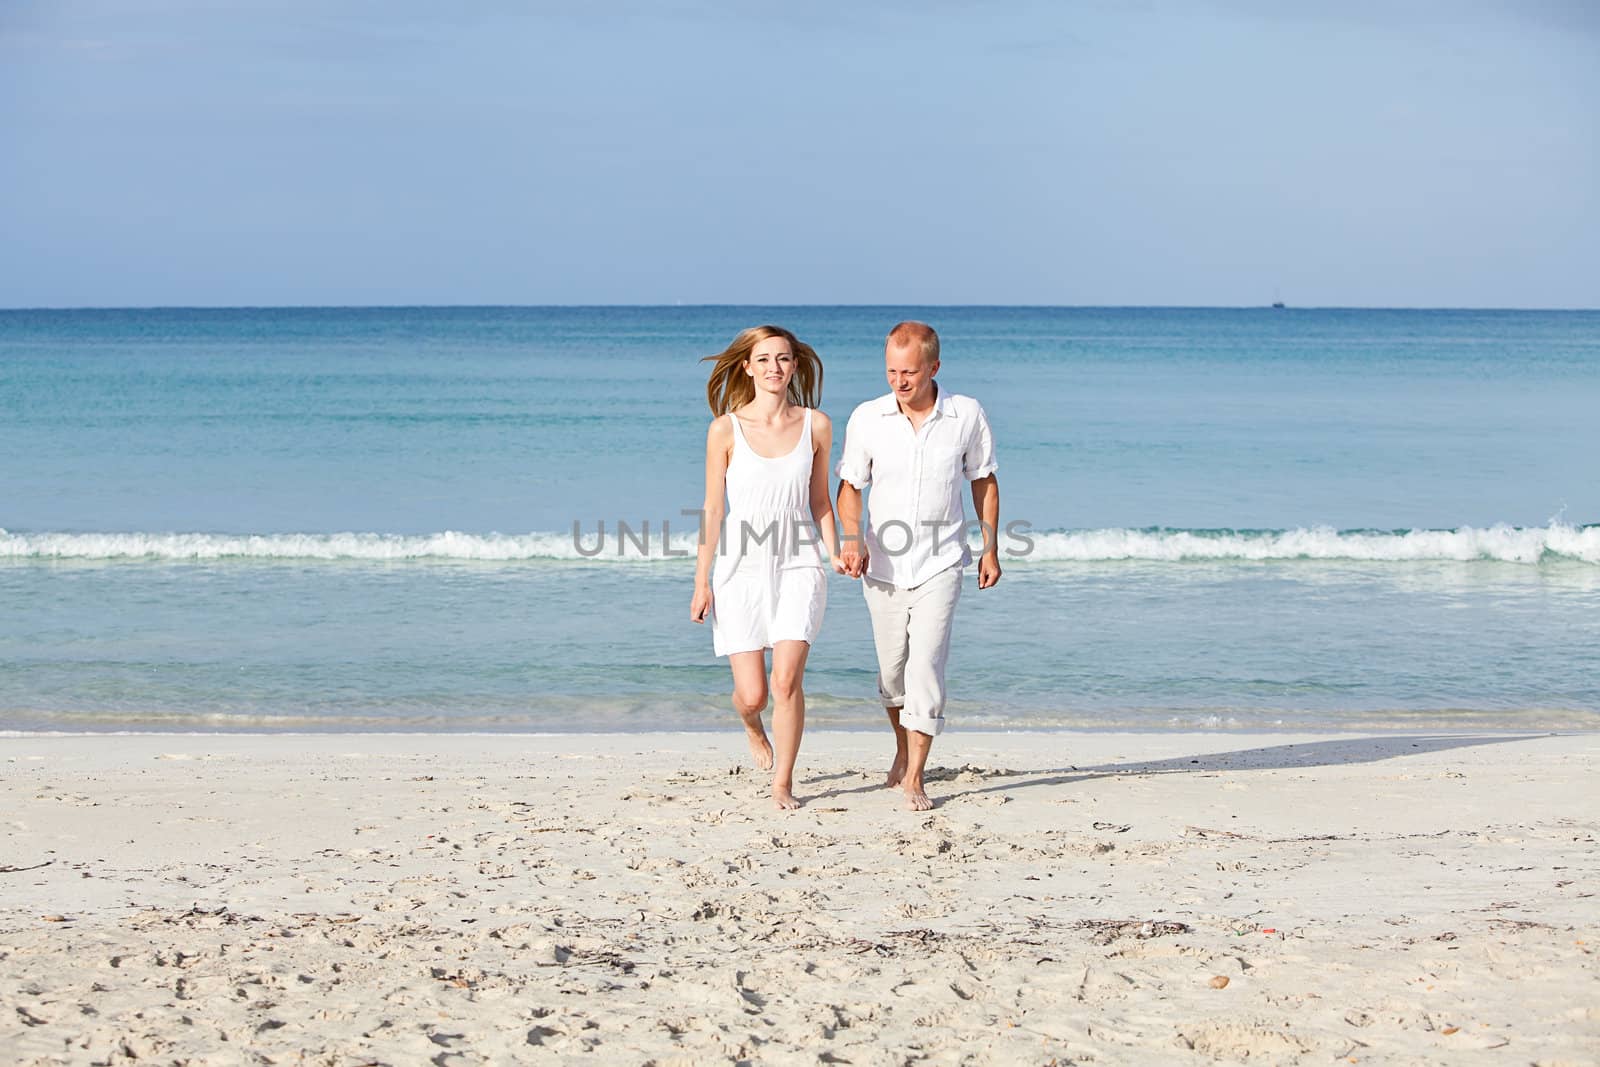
(930, 726)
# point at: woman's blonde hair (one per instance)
(730, 387)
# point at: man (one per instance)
(915, 447)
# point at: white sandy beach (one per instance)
(1074, 898)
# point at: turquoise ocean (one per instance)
(473, 519)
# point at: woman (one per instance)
(760, 576)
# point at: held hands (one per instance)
(700, 606)
(851, 560)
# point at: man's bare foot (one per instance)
(760, 747)
(897, 770)
(783, 799)
(916, 799)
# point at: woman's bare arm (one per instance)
(821, 505)
(719, 444)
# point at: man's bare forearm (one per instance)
(986, 500)
(852, 547)
(849, 507)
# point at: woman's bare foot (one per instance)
(760, 747)
(783, 799)
(916, 798)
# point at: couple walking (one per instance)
(762, 576)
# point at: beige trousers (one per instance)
(911, 629)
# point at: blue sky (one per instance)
(163, 152)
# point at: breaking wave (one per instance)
(1506, 544)
(1502, 543)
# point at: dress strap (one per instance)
(738, 432)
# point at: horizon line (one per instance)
(705, 306)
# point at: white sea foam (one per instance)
(375, 547)
(1509, 544)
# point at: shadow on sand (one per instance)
(1332, 753)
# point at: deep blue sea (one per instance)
(336, 518)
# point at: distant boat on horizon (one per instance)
(1277, 303)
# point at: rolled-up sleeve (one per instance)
(978, 460)
(855, 460)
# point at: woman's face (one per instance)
(771, 365)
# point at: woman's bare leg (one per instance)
(788, 716)
(750, 700)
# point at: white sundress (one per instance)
(768, 582)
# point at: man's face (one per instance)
(910, 375)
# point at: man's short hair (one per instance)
(916, 333)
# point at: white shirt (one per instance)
(916, 519)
